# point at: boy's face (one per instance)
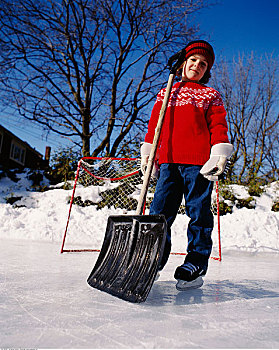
(194, 68)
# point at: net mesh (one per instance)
(103, 187)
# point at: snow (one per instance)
(46, 302)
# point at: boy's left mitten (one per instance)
(216, 164)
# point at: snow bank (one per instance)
(43, 216)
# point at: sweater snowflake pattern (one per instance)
(195, 120)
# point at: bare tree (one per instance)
(88, 69)
(250, 91)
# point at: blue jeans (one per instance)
(176, 180)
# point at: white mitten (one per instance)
(145, 150)
(216, 164)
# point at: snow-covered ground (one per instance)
(43, 215)
(46, 302)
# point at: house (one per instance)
(15, 153)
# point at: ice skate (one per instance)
(189, 276)
(182, 285)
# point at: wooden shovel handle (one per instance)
(153, 151)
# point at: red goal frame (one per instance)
(80, 166)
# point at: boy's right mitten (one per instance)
(145, 150)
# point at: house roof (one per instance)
(23, 143)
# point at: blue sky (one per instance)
(232, 27)
(243, 26)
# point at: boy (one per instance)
(193, 151)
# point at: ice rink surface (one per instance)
(45, 302)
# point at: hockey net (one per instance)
(111, 186)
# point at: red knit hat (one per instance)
(203, 48)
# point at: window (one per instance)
(17, 153)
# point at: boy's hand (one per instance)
(145, 150)
(216, 165)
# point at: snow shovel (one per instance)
(133, 244)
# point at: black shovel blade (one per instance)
(130, 256)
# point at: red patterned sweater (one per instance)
(195, 120)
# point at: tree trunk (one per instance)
(86, 134)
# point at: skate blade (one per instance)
(185, 285)
(157, 276)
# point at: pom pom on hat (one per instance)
(201, 47)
